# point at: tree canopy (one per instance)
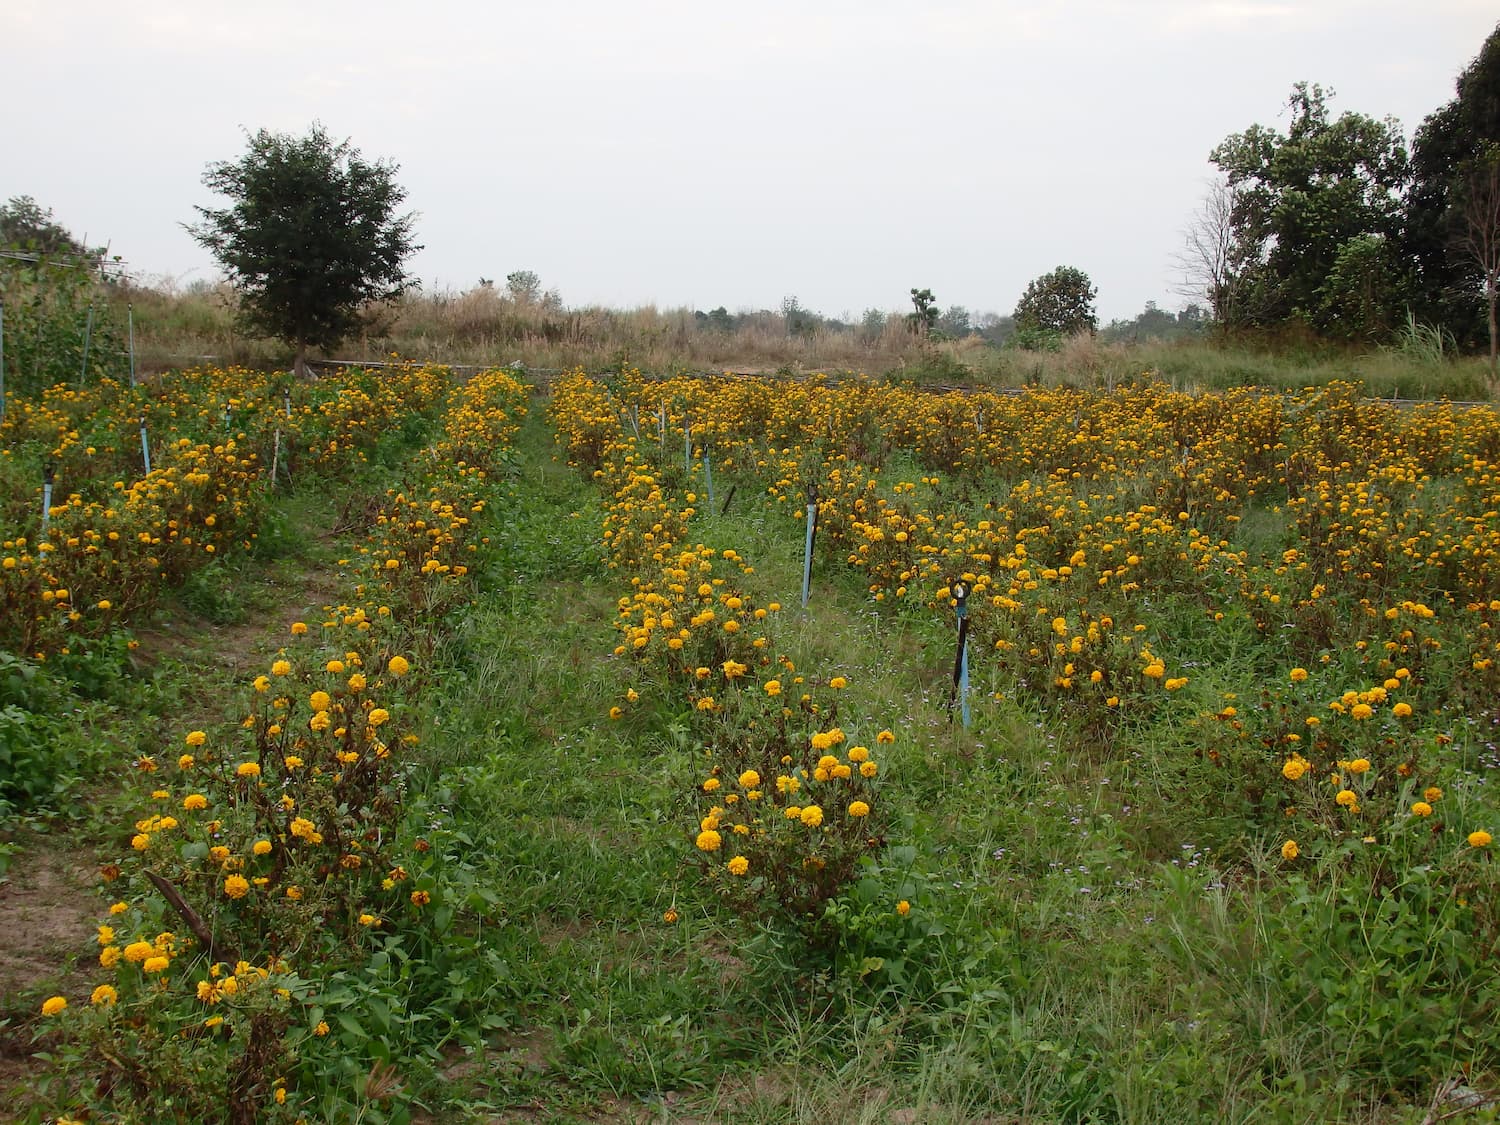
(1061, 301)
(26, 225)
(310, 236)
(1316, 215)
(1445, 151)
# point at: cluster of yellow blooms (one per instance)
(117, 533)
(280, 830)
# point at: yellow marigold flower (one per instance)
(378, 716)
(616, 713)
(1480, 839)
(1421, 808)
(1293, 769)
(669, 916)
(838, 683)
(885, 737)
(709, 841)
(733, 669)
(1290, 850)
(858, 808)
(248, 769)
(1298, 675)
(155, 964)
(1176, 682)
(335, 666)
(294, 893)
(299, 628)
(903, 908)
(104, 996)
(357, 682)
(186, 762)
(398, 666)
(319, 701)
(420, 898)
(858, 753)
(262, 684)
(1432, 793)
(1346, 798)
(140, 841)
(236, 886)
(118, 907)
(281, 668)
(1402, 710)
(367, 919)
(196, 738)
(1360, 765)
(710, 785)
(261, 847)
(868, 769)
(138, 951)
(793, 812)
(773, 687)
(109, 956)
(321, 1029)
(812, 816)
(1361, 711)
(738, 865)
(53, 1004)
(749, 780)
(840, 771)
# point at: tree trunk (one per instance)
(299, 365)
(1491, 294)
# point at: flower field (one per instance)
(569, 809)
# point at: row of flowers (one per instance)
(267, 854)
(787, 803)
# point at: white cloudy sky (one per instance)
(710, 153)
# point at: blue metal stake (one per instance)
(47, 474)
(812, 523)
(961, 657)
(708, 470)
(963, 688)
(145, 447)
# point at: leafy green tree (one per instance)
(311, 236)
(924, 316)
(25, 225)
(955, 323)
(1448, 142)
(1060, 302)
(1299, 199)
(524, 286)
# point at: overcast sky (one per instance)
(704, 154)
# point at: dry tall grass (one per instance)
(487, 326)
